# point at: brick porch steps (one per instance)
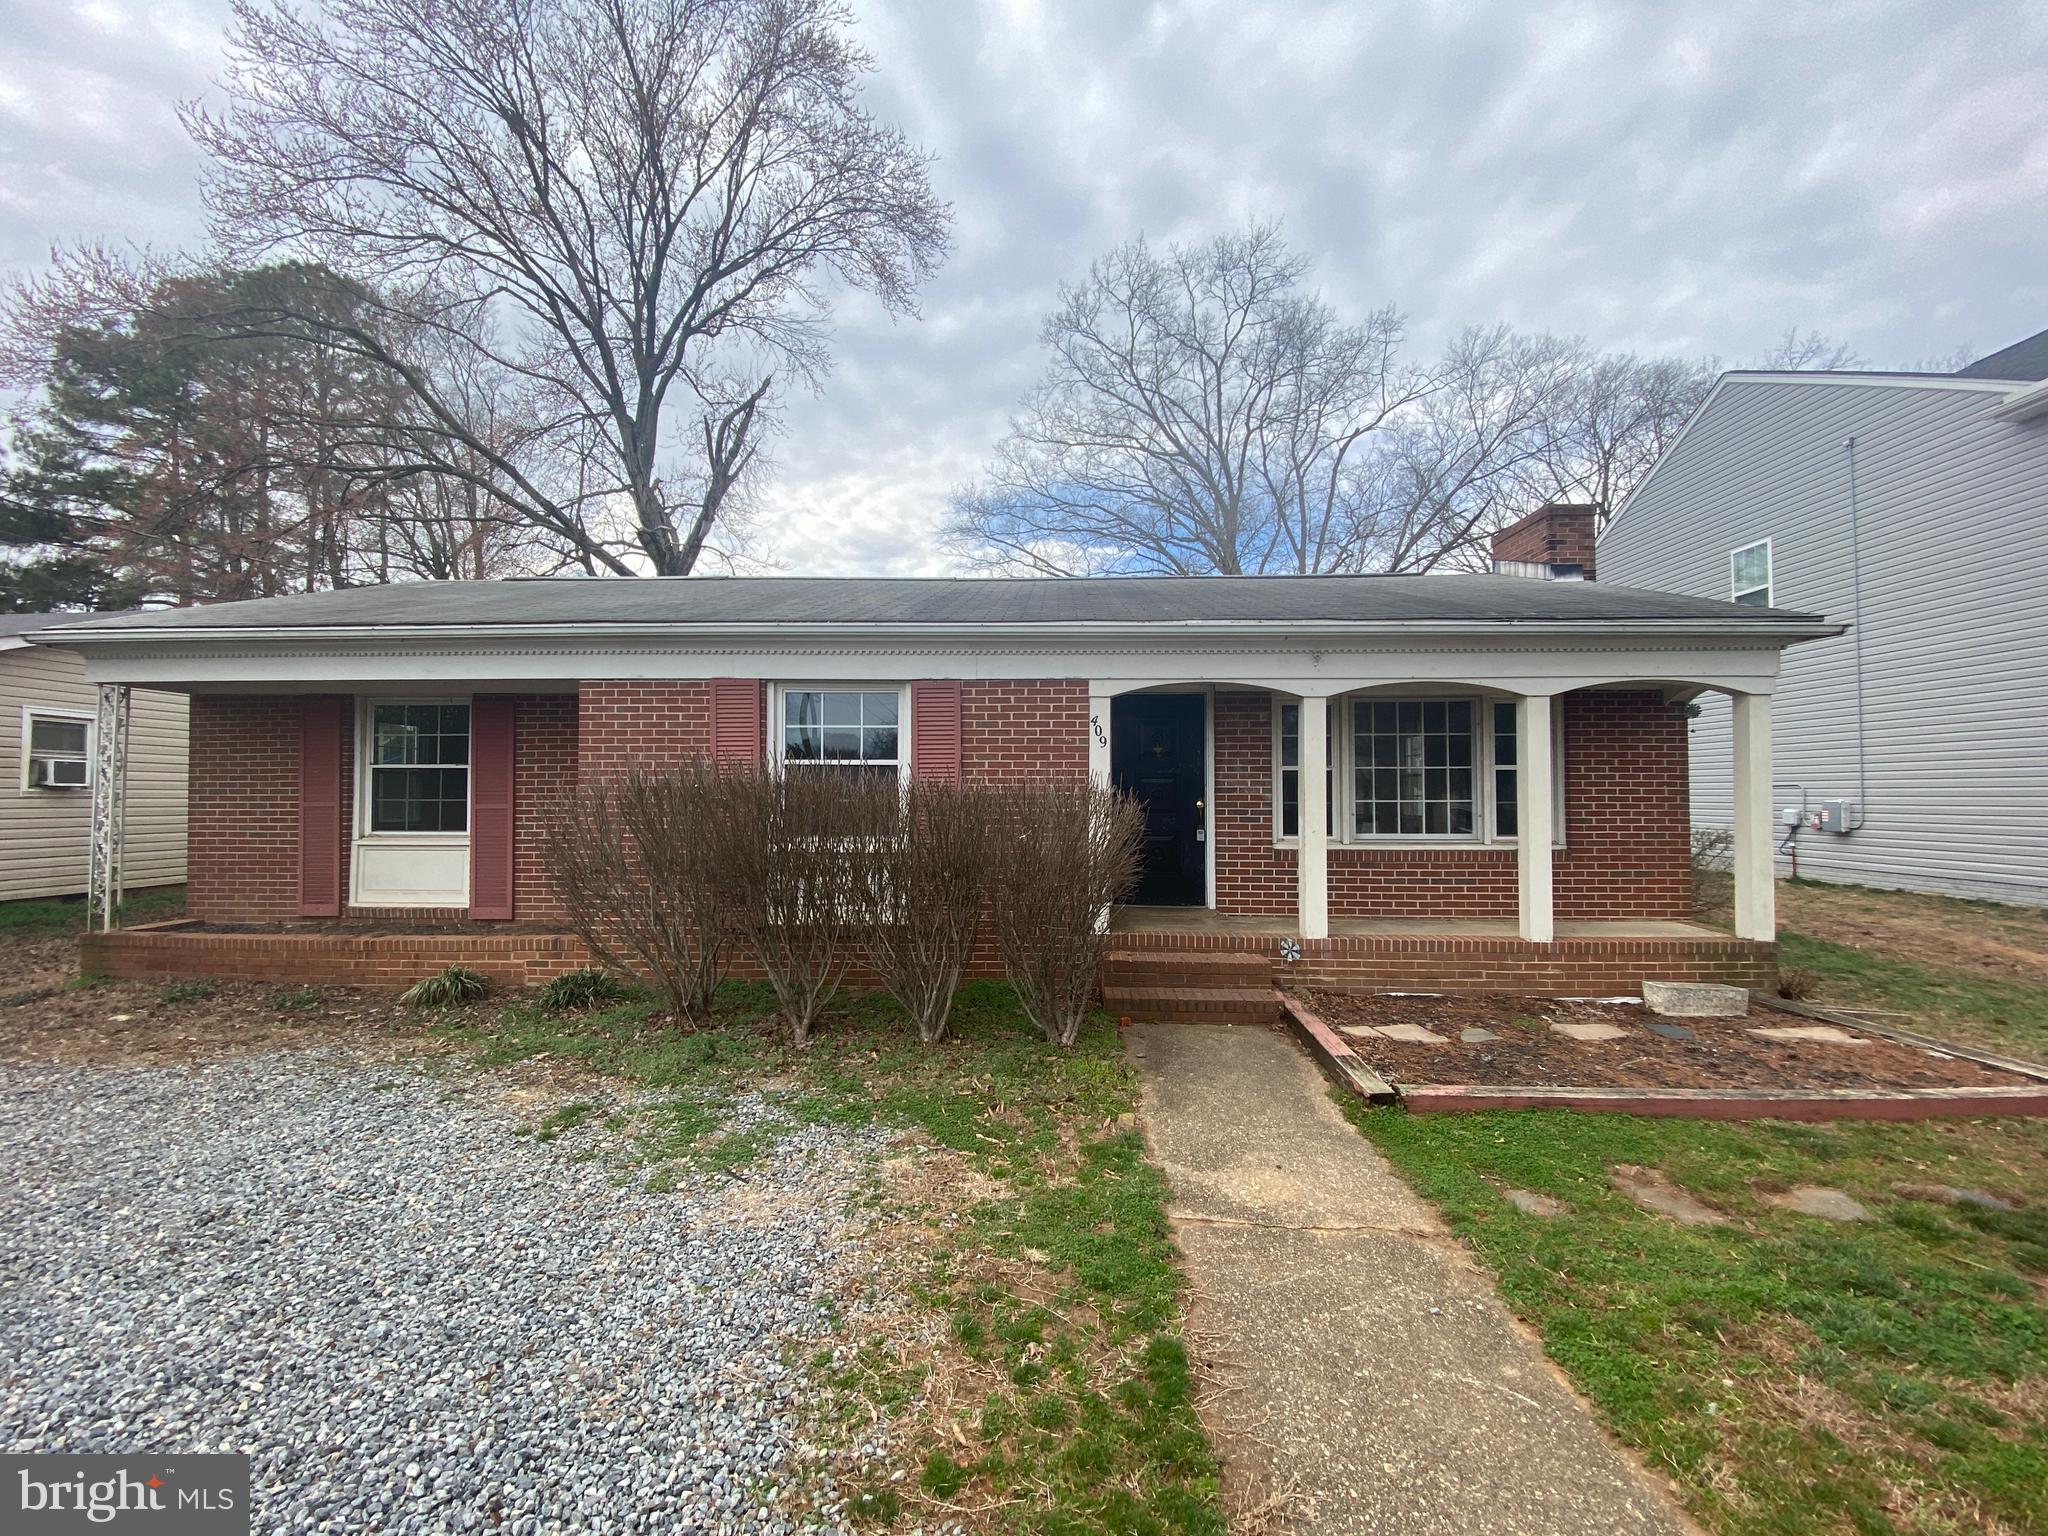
(1199, 987)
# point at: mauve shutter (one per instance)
(491, 752)
(736, 721)
(935, 731)
(322, 720)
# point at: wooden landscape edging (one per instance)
(1348, 1070)
(1331, 1053)
(1738, 1104)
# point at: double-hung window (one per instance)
(419, 768)
(1749, 574)
(857, 732)
(1290, 772)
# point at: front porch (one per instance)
(1203, 920)
(1194, 963)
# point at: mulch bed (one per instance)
(149, 1023)
(1721, 1053)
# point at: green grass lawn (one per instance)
(1792, 1374)
(1995, 1012)
(53, 915)
(1083, 1415)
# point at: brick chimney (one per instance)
(1555, 542)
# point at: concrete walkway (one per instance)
(1367, 1364)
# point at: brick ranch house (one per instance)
(1497, 765)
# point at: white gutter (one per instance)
(1792, 629)
(2022, 405)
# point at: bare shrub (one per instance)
(633, 860)
(1066, 851)
(786, 846)
(922, 866)
(1797, 984)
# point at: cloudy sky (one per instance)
(1652, 176)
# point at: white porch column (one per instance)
(1312, 856)
(1535, 798)
(1756, 894)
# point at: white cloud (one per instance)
(1653, 177)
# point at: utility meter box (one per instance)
(1839, 816)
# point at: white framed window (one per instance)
(1505, 757)
(411, 803)
(858, 730)
(416, 767)
(56, 750)
(1749, 574)
(1287, 770)
(1418, 770)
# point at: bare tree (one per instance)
(1612, 419)
(1812, 352)
(1201, 413)
(624, 210)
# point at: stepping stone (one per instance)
(1529, 1203)
(1412, 1034)
(1359, 1031)
(1948, 1194)
(1827, 1204)
(1653, 1192)
(1695, 1000)
(1589, 1031)
(1819, 1034)
(1477, 1036)
(1668, 1031)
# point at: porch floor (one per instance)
(1203, 920)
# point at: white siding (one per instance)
(1953, 508)
(45, 835)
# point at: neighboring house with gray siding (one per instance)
(46, 727)
(1915, 507)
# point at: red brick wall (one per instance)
(1626, 852)
(545, 745)
(1555, 535)
(1026, 728)
(1628, 808)
(621, 723)
(243, 827)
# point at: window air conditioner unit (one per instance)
(58, 772)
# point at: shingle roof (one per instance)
(12, 624)
(2022, 360)
(785, 601)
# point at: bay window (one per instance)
(1409, 769)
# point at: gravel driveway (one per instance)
(413, 1318)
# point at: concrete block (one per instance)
(1695, 1000)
